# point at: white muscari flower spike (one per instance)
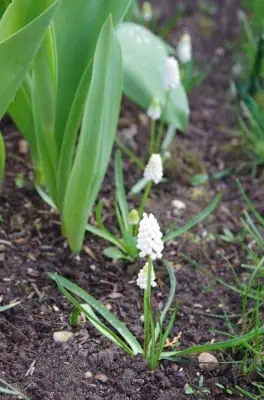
(149, 239)
(154, 110)
(147, 12)
(154, 169)
(142, 280)
(171, 74)
(184, 49)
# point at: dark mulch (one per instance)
(31, 246)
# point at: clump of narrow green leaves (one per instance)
(115, 330)
(125, 245)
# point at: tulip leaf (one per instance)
(144, 56)
(22, 23)
(77, 26)
(96, 137)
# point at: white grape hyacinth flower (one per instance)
(147, 11)
(154, 169)
(171, 74)
(142, 280)
(184, 49)
(149, 239)
(154, 110)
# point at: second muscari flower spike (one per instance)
(142, 280)
(154, 110)
(149, 239)
(154, 169)
(184, 49)
(171, 74)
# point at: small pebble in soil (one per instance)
(88, 374)
(62, 336)
(101, 377)
(207, 362)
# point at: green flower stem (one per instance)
(143, 204)
(130, 154)
(147, 302)
(152, 137)
(162, 123)
(144, 199)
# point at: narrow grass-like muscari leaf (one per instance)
(105, 234)
(22, 28)
(194, 221)
(219, 346)
(96, 137)
(114, 253)
(9, 389)
(143, 80)
(119, 326)
(170, 298)
(86, 309)
(8, 306)
(2, 158)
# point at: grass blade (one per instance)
(194, 221)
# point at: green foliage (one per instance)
(126, 246)
(115, 330)
(76, 79)
(22, 22)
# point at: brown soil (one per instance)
(31, 246)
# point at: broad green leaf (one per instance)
(96, 137)
(77, 26)
(44, 102)
(144, 56)
(2, 158)
(119, 326)
(194, 221)
(70, 134)
(22, 28)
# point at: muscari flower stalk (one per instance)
(147, 12)
(149, 239)
(171, 74)
(154, 169)
(184, 49)
(154, 110)
(142, 280)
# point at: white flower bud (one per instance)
(154, 169)
(147, 12)
(184, 49)
(142, 280)
(149, 239)
(171, 74)
(154, 110)
(133, 217)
